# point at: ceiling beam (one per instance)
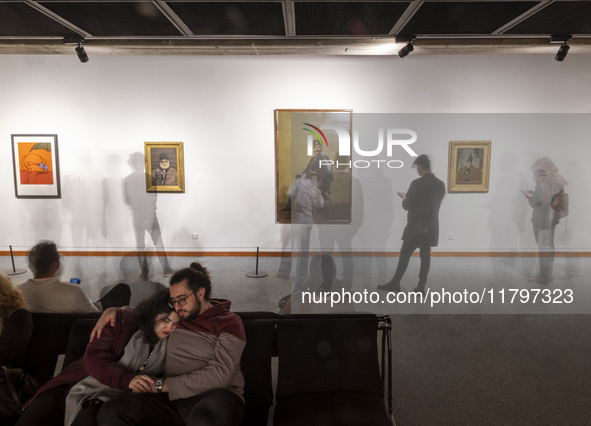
(523, 17)
(173, 17)
(289, 18)
(406, 16)
(291, 46)
(57, 18)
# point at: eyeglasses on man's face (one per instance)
(181, 300)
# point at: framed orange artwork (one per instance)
(35, 161)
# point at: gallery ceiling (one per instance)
(284, 27)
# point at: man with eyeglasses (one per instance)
(203, 382)
(164, 174)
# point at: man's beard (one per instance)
(195, 313)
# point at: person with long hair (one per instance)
(543, 218)
(16, 324)
(129, 355)
(203, 383)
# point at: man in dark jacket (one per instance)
(422, 201)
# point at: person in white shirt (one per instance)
(45, 292)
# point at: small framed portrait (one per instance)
(469, 166)
(165, 171)
(35, 161)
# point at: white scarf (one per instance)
(135, 355)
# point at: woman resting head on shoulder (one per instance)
(155, 318)
(16, 324)
(140, 351)
(183, 284)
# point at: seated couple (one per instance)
(174, 360)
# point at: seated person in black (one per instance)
(16, 325)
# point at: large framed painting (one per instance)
(35, 161)
(469, 166)
(313, 179)
(165, 171)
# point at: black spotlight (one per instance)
(406, 50)
(408, 39)
(561, 54)
(563, 50)
(81, 53)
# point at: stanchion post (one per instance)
(256, 273)
(14, 270)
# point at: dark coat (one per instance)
(15, 336)
(100, 359)
(422, 202)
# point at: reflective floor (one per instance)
(456, 285)
(518, 368)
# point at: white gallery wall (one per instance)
(221, 108)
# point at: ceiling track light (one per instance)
(80, 51)
(408, 48)
(562, 50)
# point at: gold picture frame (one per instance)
(469, 166)
(295, 130)
(164, 179)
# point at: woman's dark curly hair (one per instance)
(146, 311)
